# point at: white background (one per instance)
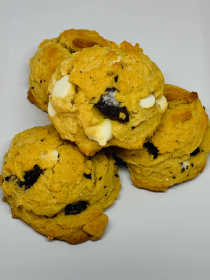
(161, 236)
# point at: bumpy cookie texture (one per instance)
(49, 56)
(57, 190)
(107, 97)
(78, 39)
(178, 150)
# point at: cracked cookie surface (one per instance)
(50, 54)
(178, 149)
(107, 97)
(57, 190)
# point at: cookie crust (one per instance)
(182, 142)
(51, 53)
(57, 190)
(118, 78)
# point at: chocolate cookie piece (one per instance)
(195, 152)
(110, 107)
(57, 190)
(75, 208)
(30, 177)
(151, 149)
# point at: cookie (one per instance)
(178, 150)
(57, 190)
(104, 97)
(50, 54)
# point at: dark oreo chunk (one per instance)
(110, 107)
(194, 153)
(31, 177)
(151, 149)
(75, 208)
(7, 178)
(88, 176)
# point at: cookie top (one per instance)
(166, 170)
(183, 124)
(77, 39)
(181, 130)
(45, 174)
(102, 96)
(178, 149)
(50, 54)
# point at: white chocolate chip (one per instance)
(54, 155)
(101, 133)
(162, 101)
(51, 155)
(63, 87)
(51, 110)
(43, 155)
(118, 59)
(147, 102)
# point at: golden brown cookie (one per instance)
(78, 39)
(178, 150)
(50, 54)
(57, 190)
(107, 97)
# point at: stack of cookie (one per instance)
(60, 178)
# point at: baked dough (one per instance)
(104, 97)
(49, 56)
(178, 150)
(57, 190)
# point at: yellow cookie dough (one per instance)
(50, 54)
(57, 190)
(106, 96)
(178, 150)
